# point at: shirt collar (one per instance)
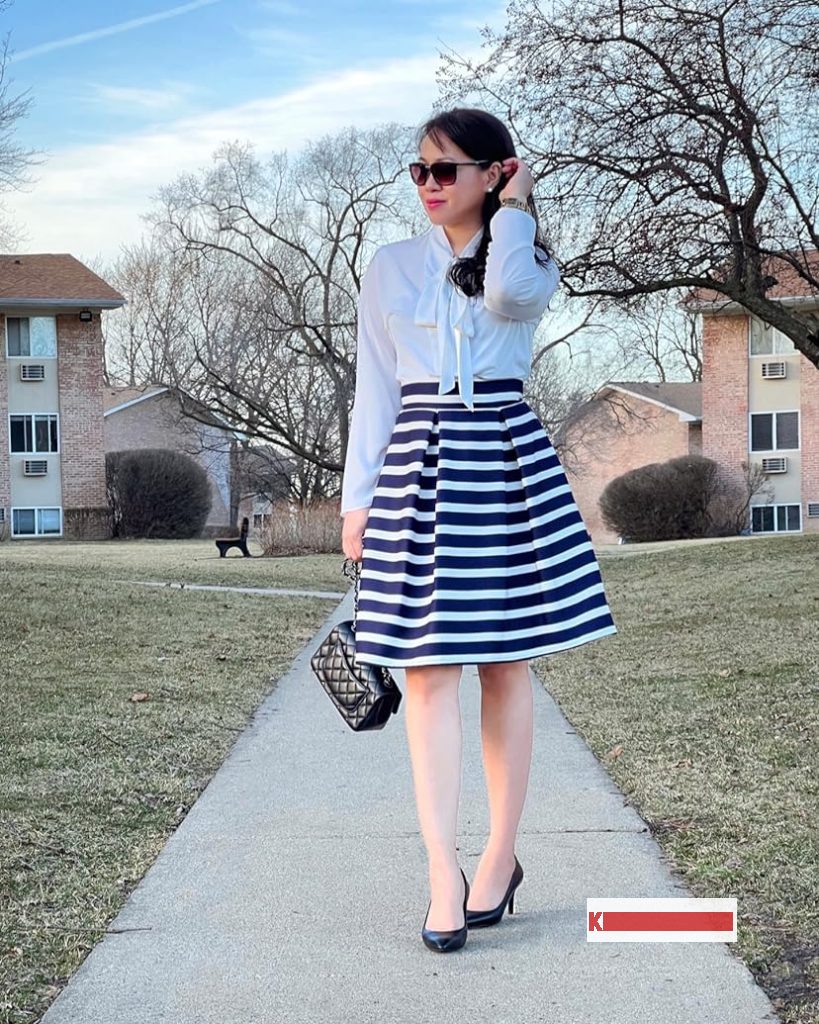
(442, 245)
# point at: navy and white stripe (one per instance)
(474, 549)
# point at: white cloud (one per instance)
(275, 35)
(276, 41)
(171, 95)
(109, 30)
(88, 199)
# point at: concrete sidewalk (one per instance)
(249, 915)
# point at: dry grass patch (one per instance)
(93, 782)
(190, 561)
(704, 708)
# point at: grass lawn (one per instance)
(190, 561)
(704, 708)
(92, 782)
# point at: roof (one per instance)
(53, 279)
(682, 397)
(117, 398)
(788, 284)
(120, 397)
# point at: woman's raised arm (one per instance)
(515, 284)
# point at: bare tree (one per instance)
(657, 341)
(148, 340)
(246, 296)
(14, 159)
(674, 145)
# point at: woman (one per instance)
(473, 550)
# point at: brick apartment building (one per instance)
(628, 424)
(52, 467)
(758, 403)
(59, 416)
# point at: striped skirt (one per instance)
(474, 549)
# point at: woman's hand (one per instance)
(352, 532)
(520, 182)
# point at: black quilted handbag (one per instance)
(365, 695)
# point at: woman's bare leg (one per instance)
(506, 741)
(433, 719)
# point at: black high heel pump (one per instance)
(484, 918)
(446, 941)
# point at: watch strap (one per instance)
(515, 203)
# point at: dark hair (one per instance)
(482, 136)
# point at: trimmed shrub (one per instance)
(157, 492)
(670, 500)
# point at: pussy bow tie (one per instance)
(442, 305)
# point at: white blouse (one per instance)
(413, 324)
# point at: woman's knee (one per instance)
(431, 683)
(496, 674)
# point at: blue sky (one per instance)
(127, 96)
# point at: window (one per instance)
(774, 431)
(34, 433)
(17, 336)
(28, 336)
(768, 341)
(36, 522)
(775, 518)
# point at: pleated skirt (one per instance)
(474, 549)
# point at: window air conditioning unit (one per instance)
(35, 467)
(778, 464)
(774, 371)
(813, 509)
(32, 371)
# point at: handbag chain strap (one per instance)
(352, 569)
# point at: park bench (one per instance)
(226, 543)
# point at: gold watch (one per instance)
(518, 204)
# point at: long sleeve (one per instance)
(377, 398)
(515, 285)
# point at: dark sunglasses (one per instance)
(443, 171)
